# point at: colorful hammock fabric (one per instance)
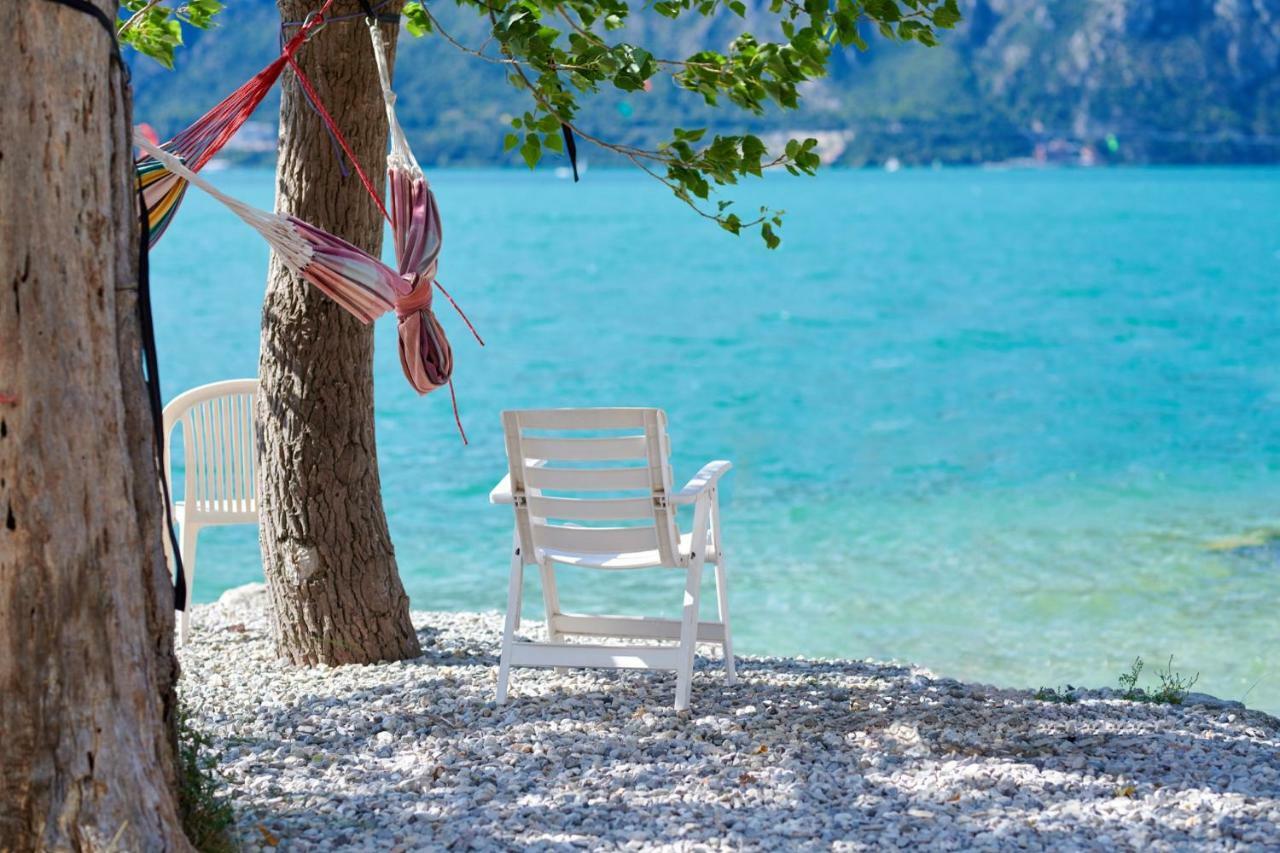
(356, 280)
(425, 354)
(162, 190)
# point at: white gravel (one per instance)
(801, 754)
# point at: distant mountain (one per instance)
(1109, 80)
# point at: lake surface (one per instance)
(1007, 425)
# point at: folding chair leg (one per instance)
(188, 550)
(722, 602)
(551, 604)
(514, 589)
(688, 634)
(550, 598)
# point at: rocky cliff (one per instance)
(1058, 80)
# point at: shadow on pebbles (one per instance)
(801, 754)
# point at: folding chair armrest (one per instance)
(702, 481)
(501, 493)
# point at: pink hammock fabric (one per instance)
(162, 190)
(425, 354)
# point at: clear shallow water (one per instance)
(991, 422)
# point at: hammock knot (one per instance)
(418, 298)
(313, 23)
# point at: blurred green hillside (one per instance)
(1156, 81)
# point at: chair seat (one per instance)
(218, 512)
(625, 560)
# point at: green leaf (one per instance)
(200, 12)
(689, 135)
(771, 239)
(731, 223)
(417, 22)
(947, 16)
(510, 141)
(531, 151)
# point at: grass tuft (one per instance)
(207, 817)
(1173, 689)
(1059, 696)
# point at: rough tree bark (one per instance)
(87, 672)
(326, 550)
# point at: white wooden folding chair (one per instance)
(219, 485)
(563, 481)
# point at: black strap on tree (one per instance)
(370, 13)
(571, 148)
(101, 17)
(152, 363)
(148, 329)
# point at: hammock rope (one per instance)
(370, 12)
(310, 91)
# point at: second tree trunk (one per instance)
(327, 554)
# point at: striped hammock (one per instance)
(356, 280)
(162, 189)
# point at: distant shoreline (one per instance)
(994, 165)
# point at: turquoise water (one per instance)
(991, 422)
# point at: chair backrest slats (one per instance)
(585, 449)
(588, 479)
(218, 438)
(577, 465)
(582, 419)
(249, 458)
(595, 540)
(221, 448)
(602, 509)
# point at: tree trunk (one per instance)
(326, 550)
(87, 671)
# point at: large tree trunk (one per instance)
(326, 550)
(86, 610)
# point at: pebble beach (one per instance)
(800, 754)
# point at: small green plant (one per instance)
(1129, 681)
(1059, 696)
(207, 818)
(1174, 686)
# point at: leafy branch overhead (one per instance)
(561, 52)
(154, 29)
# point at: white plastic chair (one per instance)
(562, 487)
(219, 483)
